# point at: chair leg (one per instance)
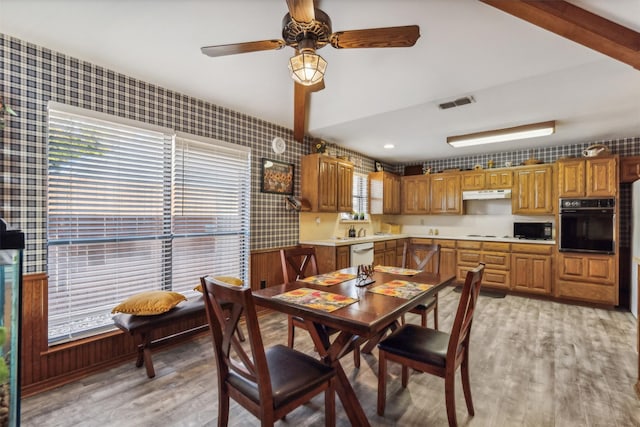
(424, 318)
(291, 332)
(382, 382)
(450, 397)
(466, 385)
(223, 407)
(405, 376)
(330, 403)
(240, 333)
(435, 313)
(402, 319)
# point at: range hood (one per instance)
(486, 194)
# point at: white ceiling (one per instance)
(517, 72)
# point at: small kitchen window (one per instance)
(360, 198)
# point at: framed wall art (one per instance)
(277, 177)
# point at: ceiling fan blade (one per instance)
(376, 37)
(232, 49)
(301, 10)
(300, 94)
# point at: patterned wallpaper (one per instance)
(31, 75)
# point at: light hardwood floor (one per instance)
(533, 363)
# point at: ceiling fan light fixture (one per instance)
(307, 67)
(502, 135)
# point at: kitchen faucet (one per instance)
(363, 231)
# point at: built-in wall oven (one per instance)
(587, 225)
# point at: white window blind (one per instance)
(112, 192)
(360, 193)
(212, 186)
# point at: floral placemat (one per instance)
(396, 270)
(329, 279)
(320, 300)
(400, 289)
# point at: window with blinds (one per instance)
(360, 193)
(132, 209)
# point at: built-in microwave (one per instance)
(533, 230)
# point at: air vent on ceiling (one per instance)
(457, 103)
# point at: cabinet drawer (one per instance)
(419, 241)
(590, 292)
(469, 244)
(445, 243)
(523, 248)
(496, 246)
(496, 279)
(379, 246)
(497, 260)
(468, 257)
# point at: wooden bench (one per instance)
(142, 328)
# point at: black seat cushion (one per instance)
(292, 374)
(418, 343)
(429, 302)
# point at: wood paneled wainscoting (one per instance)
(44, 367)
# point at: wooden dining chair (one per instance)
(297, 263)
(435, 352)
(419, 256)
(269, 383)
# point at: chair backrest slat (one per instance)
(421, 254)
(299, 260)
(464, 315)
(225, 304)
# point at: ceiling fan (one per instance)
(307, 29)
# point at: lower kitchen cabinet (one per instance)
(587, 277)
(496, 257)
(531, 268)
(384, 253)
(332, 258)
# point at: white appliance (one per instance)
(635, 244)
(362, 253)
(486, 194)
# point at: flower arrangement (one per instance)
(319, 146)
(4, 108)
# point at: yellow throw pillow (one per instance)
(149, 303)
(226, 279)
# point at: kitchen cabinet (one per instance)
(496, 257)
(446, 195)
(590, 177)
(587, 277)
(533, 190)
(327, 183)
(531, 268)
(332, 258)
(384, 193)
(384, 253)
(416, 192)
(629, 169)
(400, 251)
(487, 180)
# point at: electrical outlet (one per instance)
(263, 284)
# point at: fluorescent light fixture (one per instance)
(501, 135)
(389, 146)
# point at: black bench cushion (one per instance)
(130, 323)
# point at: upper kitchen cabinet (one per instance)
(533, 190)
(485, 180)
(384, 193)
(327, 183)
(629, 168)
(416, 191)
(590, 177)
(446, 195)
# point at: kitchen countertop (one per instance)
(343, 241)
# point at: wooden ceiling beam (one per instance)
(578, 25)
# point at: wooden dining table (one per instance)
(368, 319)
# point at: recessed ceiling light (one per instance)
(389, 146)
